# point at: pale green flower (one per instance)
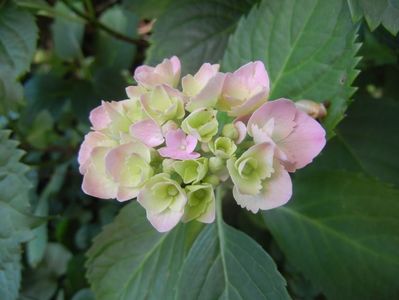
(223, 147)
(164, 201)
(200, 203)
(191, 171)
(202, 124)
(164, 103)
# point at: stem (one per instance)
(90, 8)
(107, 29)
(220, 192)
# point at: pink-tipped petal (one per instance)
(175, 138)
(96, 182)
(126, 193)
(164, 221)
(276, 192)
(256, 71)
(148, 132)
(304, 143)
(177, 154)
(99, 118)
(250, 105)
(282, 111)
(191, 143)
(242, 131)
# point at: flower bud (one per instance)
(200, 203)
(202, 124)
(164, 201)
(230, 131)
(223, 147)
(191, 171)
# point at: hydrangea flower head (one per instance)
(170, 148)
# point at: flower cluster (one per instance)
(170, 148)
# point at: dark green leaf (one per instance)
(18, 34)
(67, 33)
(195, 31)
(385, 12)
(147, 9)
(341, 230)
(15, 217)
(224, 263)
(307, 54)
(113, 52)
(11, 92)
(370, 134)
(131, 260)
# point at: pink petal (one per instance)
(206, 72)
(283, 112)
(164, 221)
(177, 154)
(276, 192)
(175, 138)
(148, 132)
(92, 140)
(304, 143)
(176, 66)
(99, 118)
(255, 71)
(126, 193)
(209, 95)
(250, 105)
(242, 131)
(96, 182)
(191, 143)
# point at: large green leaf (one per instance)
(67, 33)
(225, 263)
(370, 135)
(15, 218)
(196, 31)
(112, 52)
(308, 47)
(18, 34)
(341, 230)
(131, 260)
(385, 12)
(11, 92)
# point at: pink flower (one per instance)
(298, 138)
(245, 90)
(92, 140)
(167, 72)
(148, 132)
(179, 146)
(204, 88)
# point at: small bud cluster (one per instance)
(171, 147)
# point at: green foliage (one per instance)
(306, 55)
(18, 36)
(385, 12)
(195, 31)
(67, 33)
(15, 218)
(224, 263)
(131, 260)
(337, 238)
(112, 52)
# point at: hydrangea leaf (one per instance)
(196, 31)
(67, 33)
(131, 260)
(307, 55)
(385, 12)
(340, 230)
(112, 52)
(225, 263)
(18, 34)
(15, 218)
(11, 92)
(369, 135)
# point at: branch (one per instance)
(107, 29)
